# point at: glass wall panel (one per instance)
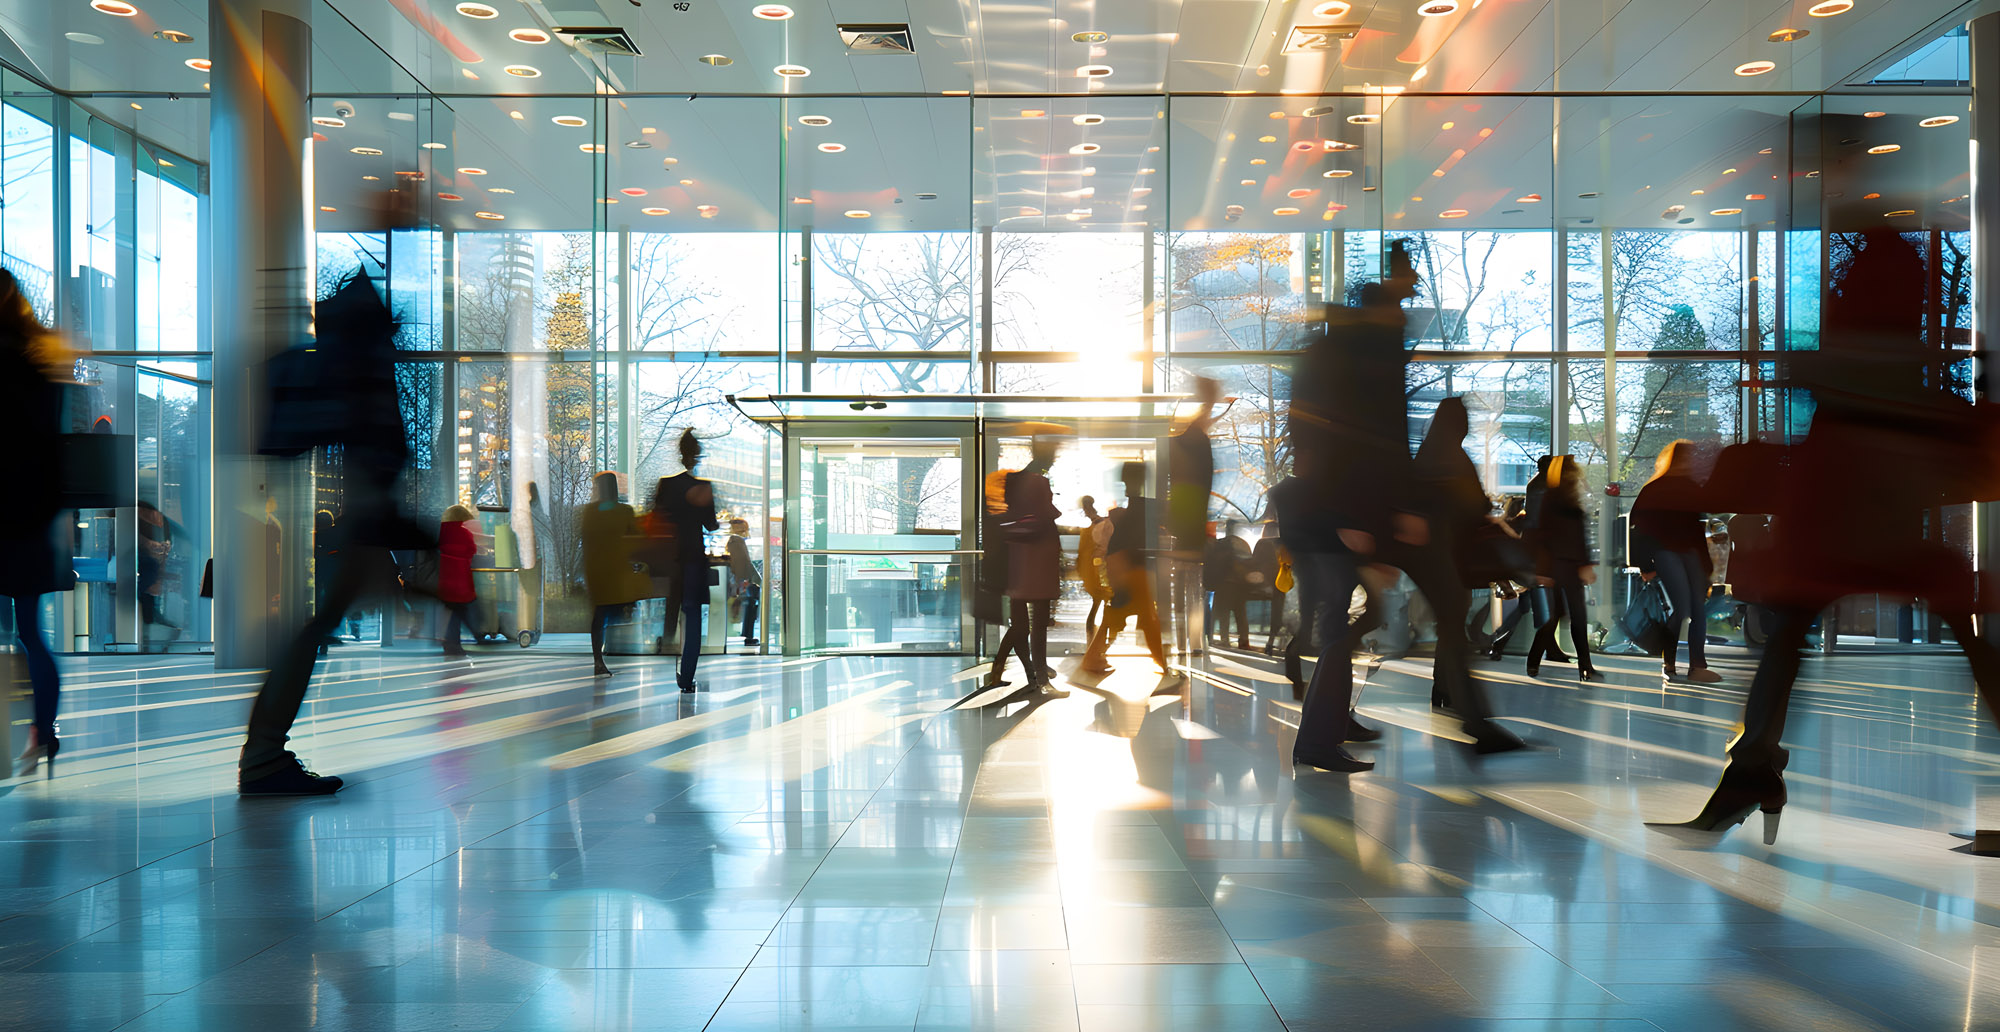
(28, 176)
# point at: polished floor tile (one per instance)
(857, 843)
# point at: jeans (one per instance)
(284, 690)
(1687, 591)
(41, 664)
(694, 596)
(750, 615)
(1326, 582)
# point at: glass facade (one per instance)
(592, 275)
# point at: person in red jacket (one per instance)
(455, 550)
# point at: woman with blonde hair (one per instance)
(1670, 544)
(1566, 565)
(32, 362)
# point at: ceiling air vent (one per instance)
(608, 38)
(877, 39)
(1314, 39)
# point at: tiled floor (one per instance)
(836, 844)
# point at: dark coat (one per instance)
(1667, 517)
(1034, 562)
(689, 502)
(1348, 411)
(30, 469)
(455, 551)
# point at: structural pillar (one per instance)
(1985, 159)
(259, 140)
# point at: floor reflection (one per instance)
(880, 843)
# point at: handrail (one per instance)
(887, 551)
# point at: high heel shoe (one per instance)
(1534, 668)
(38, 754)
(1589, 675)
(1739, 792)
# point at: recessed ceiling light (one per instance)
(1418, 200)
(1755, 67)
(832, 148)
(330, 122)
(1085, 148)
(328, 207)
(84, 38)
(449, 197)
(1437, 8)
(1300, 192)
(372, 179)
(607, 200)
(1873, 114)
(1787, 35)
(638, 145)
(1284, 211)
(470, 171)
(1268, 139)
(530, 36)
(655, 211)
(857, 213)
(1871, 197)
(1093, 71)
(1147, 171)
(1088, 120)
(136, 106)
(1363, 119)
(792, 71)
(1829, 8)
(488, 215)
(202, 64)
(469, 73)
(570, 120)
(1090, 36)
(1316, 112)
(1885, 148)
(366, 152)
(815, 120)
(669, 162)
(1276, 114)
(716, 60)
(402, 116)
(499, 190)
(432, 145)
(802, 200)
(590, 148)
(1753, 197)
(523, 71)
(1691, 193)
(1258, 161)
(1453, 213)
(687, 182)
(1898, 214)
(479, 11)
(1332, 9)
(115, 7)
(1591, 195)
(1937, 120)
(1727, 211)
(772, 12)
(633, 191)
(1246, 182)
(1336, 173)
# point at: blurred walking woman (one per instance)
(609, 529)
(688, 502)
(1670, 543)
(32, 361)
(1566, 565)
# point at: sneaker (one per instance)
(292, 780)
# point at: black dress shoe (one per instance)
(687, 687)
(1338, 762)
(292, 780)
(1358, 732)
(1492, 738)
(1588, 675)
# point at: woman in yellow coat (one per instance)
(610, 529)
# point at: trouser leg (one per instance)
(694, 597)
(1771, 692)
(1323, 720)
(41, 664)
(284, 690)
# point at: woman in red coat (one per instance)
(455, 551)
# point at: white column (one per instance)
(261, 304)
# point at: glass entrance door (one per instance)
(881, 555)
